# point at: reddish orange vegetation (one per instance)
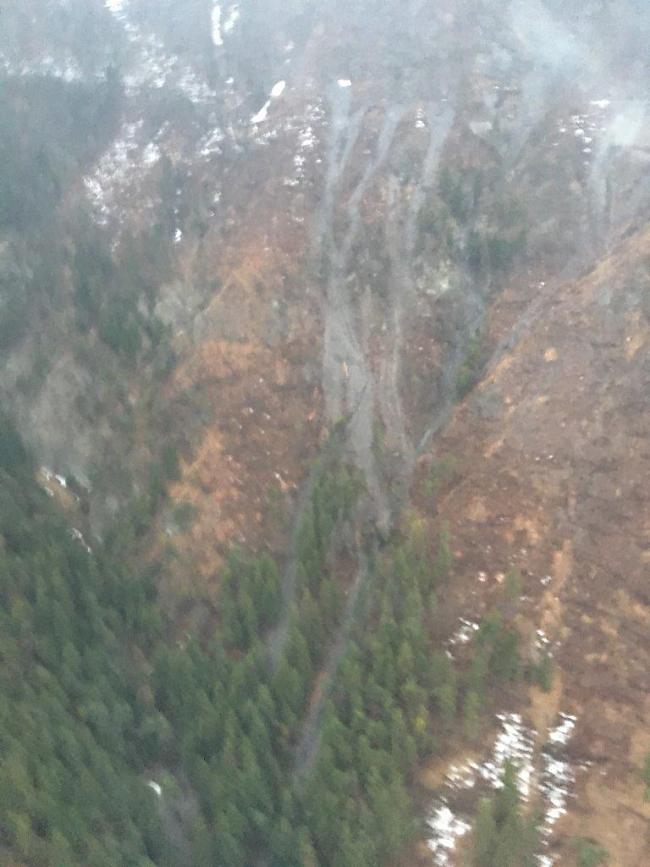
(252, 456)
(554, 479)
(246, 389)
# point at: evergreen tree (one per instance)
(485, 835)
(471, 715)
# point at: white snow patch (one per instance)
(447, 828)
(209, 144)
(155, 786)
(480, 127)
(464, 633)
(178, 236)
(563, 732)
(627, 125)
(78, 535)
(542, 642)
(151, 154)
(514, 744)
(557, 777)
(194, 88)
(232, 19)
(344, 82)
(67, 69)
(217, 39)
(307, 139)
(151, 66)
(262, 114)
(278, 89)
(126, 163)
(600, 103)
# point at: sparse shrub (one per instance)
(169, 461)
(14, 315)
(545, 672)
(589, 852)
(472, 366)
(428, 220)
(454, 194)
(513, 584)
(502, 250)
(441, 473)
(118, 328)
(184, 515)
(13, 454)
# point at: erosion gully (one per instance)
(353, 391)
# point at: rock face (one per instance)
(354, 213)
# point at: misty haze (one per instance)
(324, 433)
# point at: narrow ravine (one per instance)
(277, 639)
(351, 390)
(402, 233)
(348, 382)
(307, 748)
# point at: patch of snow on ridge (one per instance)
(78, 535)
(210, 143)
(278, 89)
(156, 787)
(514, 743)
(344, 82)
(67, 69)
(452, 811)
(123, 165)
(464, 633)
(232, 19)
(447, 828)
(563, 732)
(151, 154)
(152, 66)
(557, 780)
(262, 114)
(217, 39)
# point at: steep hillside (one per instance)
(328, 315)
(549, 455)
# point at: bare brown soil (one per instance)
(555, 482)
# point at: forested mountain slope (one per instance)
(324, 382)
